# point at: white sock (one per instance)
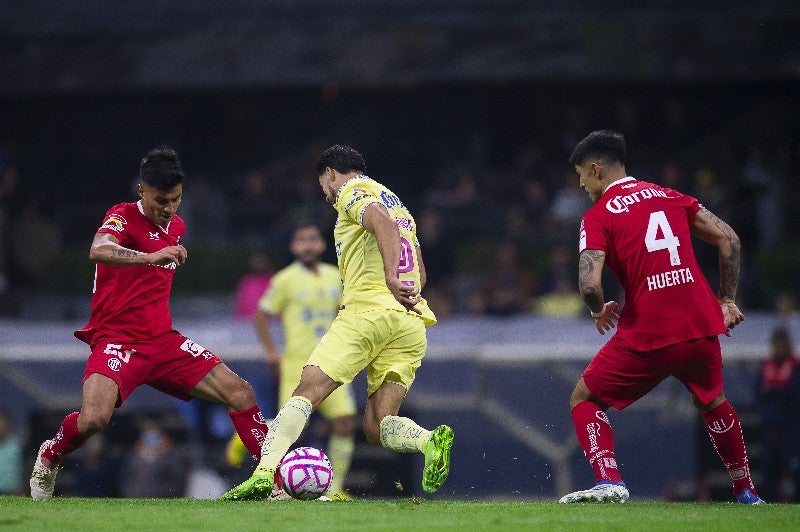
(401, 434)
(284, 431)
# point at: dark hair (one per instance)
(161, 169)
(781, 334)
(304, 224)
(604, 144)
(343, 159)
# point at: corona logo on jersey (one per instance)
(115, 222)
(619, 204)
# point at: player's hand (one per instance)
(732, 316)
(408, 296)
(169, 255)
(607, 318)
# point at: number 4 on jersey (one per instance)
(668, 240)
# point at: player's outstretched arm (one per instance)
(715, 231)
(376, 220)
(106, 249)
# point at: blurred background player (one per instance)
(671, 318)
(10, 456)
(380, 327)
(778, 403)
(137, 250)
(306, 295)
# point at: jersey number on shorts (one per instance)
(117, 351)
(668, 240)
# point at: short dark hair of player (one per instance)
(343, 159)
(605, 144)
(161, 169)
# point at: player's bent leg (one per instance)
(223, 386)
(603, 491)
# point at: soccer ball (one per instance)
(306, 473)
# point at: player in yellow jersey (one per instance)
(380, 327)
(306, 295)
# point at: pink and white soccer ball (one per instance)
(306, 473)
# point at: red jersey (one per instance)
(644, 230)
(132, 302)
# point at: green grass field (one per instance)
(134, 515)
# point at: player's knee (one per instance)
(92, 421)
(241, 396)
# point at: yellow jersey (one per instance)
(307, 303)
(360, 262)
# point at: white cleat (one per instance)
(43, 478)
(602, 492)
(278, 494)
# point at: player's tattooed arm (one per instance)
(590, 274)
(710, 228)
(123, 253)
(106, 249)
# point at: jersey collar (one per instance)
(619, 182)
(359, 176)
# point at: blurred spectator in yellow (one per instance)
(563, 300)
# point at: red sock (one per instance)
(725, 431)
(251, 427)
(66, 440)
(597, 440)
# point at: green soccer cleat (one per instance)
(437, 458)
(257, 487)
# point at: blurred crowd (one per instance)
(498, 211)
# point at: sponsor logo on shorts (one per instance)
(196, 350)
(114, 364)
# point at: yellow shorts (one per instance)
(340, 403)
(390, 344)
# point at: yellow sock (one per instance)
(235, 451)
(340, 452)
(401, 434)
(284, 431)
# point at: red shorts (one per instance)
(618, 375)
(170, 363)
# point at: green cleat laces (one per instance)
(257, 487)
(437, 458)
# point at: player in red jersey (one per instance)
(671, 317)
(136, 251)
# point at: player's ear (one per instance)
(597, 171)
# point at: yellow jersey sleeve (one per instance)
(360, 261)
